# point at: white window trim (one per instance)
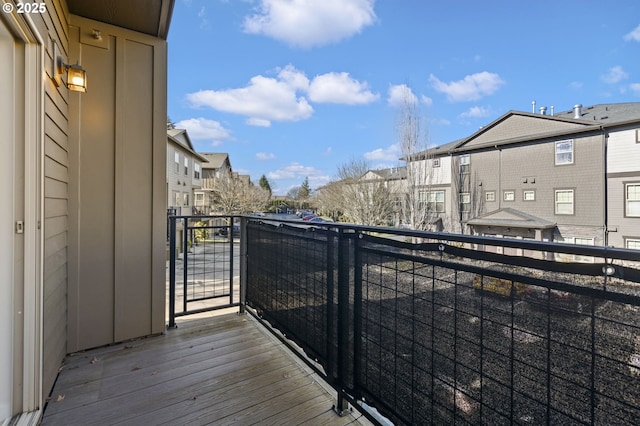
(528, 191)
(465, 200)
(573, 201)
(628, 201)
(572, 151)
(632, 240)
(493, 198)
(504, 196)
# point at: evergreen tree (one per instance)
(264, 184)
(305, 190)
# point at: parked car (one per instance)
(235, 231)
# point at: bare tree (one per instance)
(422, 205)
(355, 197)
(234, 196)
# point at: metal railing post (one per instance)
(231, 260)
(342, 404)
(185, 261)
(172, 272)
(244, 261)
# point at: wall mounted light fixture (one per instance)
(76, 75)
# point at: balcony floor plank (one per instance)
(219, 370)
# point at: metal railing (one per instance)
(431, 328)
(204, 265)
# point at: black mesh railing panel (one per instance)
(288, 284)
(444, 344)
(441, 332)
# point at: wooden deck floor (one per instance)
(220, 370)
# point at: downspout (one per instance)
(499, 194)
(606, 186)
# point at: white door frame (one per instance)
(29, 122)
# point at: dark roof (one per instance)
(181, 138)
(391, 173)
(216, 159)
(607, 113)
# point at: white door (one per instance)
(7, 200)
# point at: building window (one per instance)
(436, 162)
(186, 199)
(196, 170)
(186, 166)
(529, 195)
(632, 243)
(177, 160)
(198, 198)
(490, 196)
(465, 162)
(176, 198)
(434, 200)
(465, 202)
(564, 152)
(509, 195)
(632, 199)
(564, 201)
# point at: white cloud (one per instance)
(308, 23)
(204, 22)
(400, 95)
(328, 151)
(576, 85)
(615, 75)
(340, 88)
(635, 87)
(471, 88)
(258, 122)
(476, 112)
(263, 100)
(391, 153)
(204, 129)
(297, 172)
(633, 35)
(265, 156)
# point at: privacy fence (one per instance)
(428, 328)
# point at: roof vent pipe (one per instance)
(533, 107)
(552, 110)
(543, 110)
(577, 111)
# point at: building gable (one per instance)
(520, 126)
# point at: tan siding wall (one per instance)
(53, 26)
(117, 187)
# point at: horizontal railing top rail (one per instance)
(577, 249)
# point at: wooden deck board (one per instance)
(219, 370)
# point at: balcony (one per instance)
(418, 328)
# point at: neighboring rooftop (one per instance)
(606, 113)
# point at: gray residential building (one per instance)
(570, 177)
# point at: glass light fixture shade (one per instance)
(76, 78)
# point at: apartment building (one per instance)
(570, 177)
(184, 172)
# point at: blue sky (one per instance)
(295, 88)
